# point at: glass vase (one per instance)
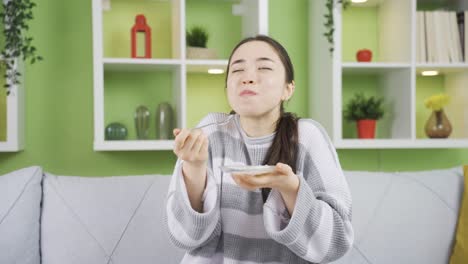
(142, 121)
(164, 121)
(438, 125)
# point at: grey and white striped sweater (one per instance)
(237, 227)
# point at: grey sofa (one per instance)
(405, 217)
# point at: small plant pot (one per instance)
(366, 128)
(201, 53)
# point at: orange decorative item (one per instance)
(364, 55)
(366, 128)
(141, 26)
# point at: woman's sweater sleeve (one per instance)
(319, 229)
(189, 229)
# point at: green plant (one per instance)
(197, 37)
(329, 20)
(362, 107)
(16, 15)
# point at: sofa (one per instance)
(399, 217)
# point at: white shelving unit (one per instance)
(254, 20)
(393, 74)
(15, 116)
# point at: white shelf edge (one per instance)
(6, 146)
(400, 143)
(442, 65)
(15, 115)
(124, 145)
(206, 62)
(141, 61)
(375, 65)
(130, 64)
(202, 66)
(370, 3)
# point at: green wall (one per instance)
(201, 89)
(151, 89)
(222, 36)
(59, 101)
(360, 30)
(118, 22)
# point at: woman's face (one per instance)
(256, 82)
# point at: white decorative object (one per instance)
(106, 5)
(201, 53)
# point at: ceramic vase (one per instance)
(438, 125)
(164, 121)
(116, 131)
(142, 120)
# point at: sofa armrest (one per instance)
(20, 202)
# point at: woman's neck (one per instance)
(258, 126)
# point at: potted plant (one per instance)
(438, 125)
(15, 16)
(365, 111)
(197, 37)
(329, 20)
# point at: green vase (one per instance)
(164, 121)
(142, 120)
(116, 131)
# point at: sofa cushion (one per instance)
(20, 201)
(460, 249)
(405, 217)
(98, 220)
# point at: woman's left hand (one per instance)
(282, 179)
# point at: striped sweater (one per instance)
(237, 227)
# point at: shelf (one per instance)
(121, 83)
(442, 67)
(388, 29)
(124, 145)
(369, 3)
(202, 66)
(204, 12)
(238, 19)
(10, 147)
(380, 26)
(399, 144)
(124, 64)
(12, 123)
(163, 17)
(391, 83)
(451, 81)
(372, 67)
(147, 89)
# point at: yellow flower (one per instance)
(437, 102)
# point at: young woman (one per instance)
(299, 213)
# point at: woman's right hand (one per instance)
(191, 146)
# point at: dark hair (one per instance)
(285, 144)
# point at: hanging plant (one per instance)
(16, 16)
(329, 22)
